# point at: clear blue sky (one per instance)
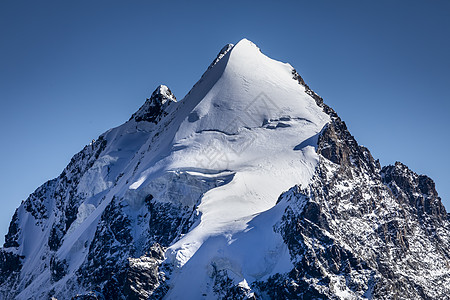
(70, 70)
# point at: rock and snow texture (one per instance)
(248, 187)
(155, 108)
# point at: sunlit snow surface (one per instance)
(233, 145)
(248, 123)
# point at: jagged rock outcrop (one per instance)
(154, 107)
(145, 277)
(417, 191)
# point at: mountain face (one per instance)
(250, 187)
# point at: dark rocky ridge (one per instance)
(418, 191)
(154, 107)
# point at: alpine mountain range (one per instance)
(250, 187)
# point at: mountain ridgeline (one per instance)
(250, 187)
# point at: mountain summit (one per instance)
(250, 187)
(155, 107)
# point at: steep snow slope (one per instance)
(249, 123)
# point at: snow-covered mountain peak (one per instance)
(245, 41)
(162, 94)
(248, 188)
(247, 89)
(155, 107)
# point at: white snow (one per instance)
(138, 183)
(84, 210)
(96, 178)
(236, 228)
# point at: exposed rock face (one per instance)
(111, 268)
(144, 275)
(52, 208)
(154, 108)
(418, 191)
(10, 267)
